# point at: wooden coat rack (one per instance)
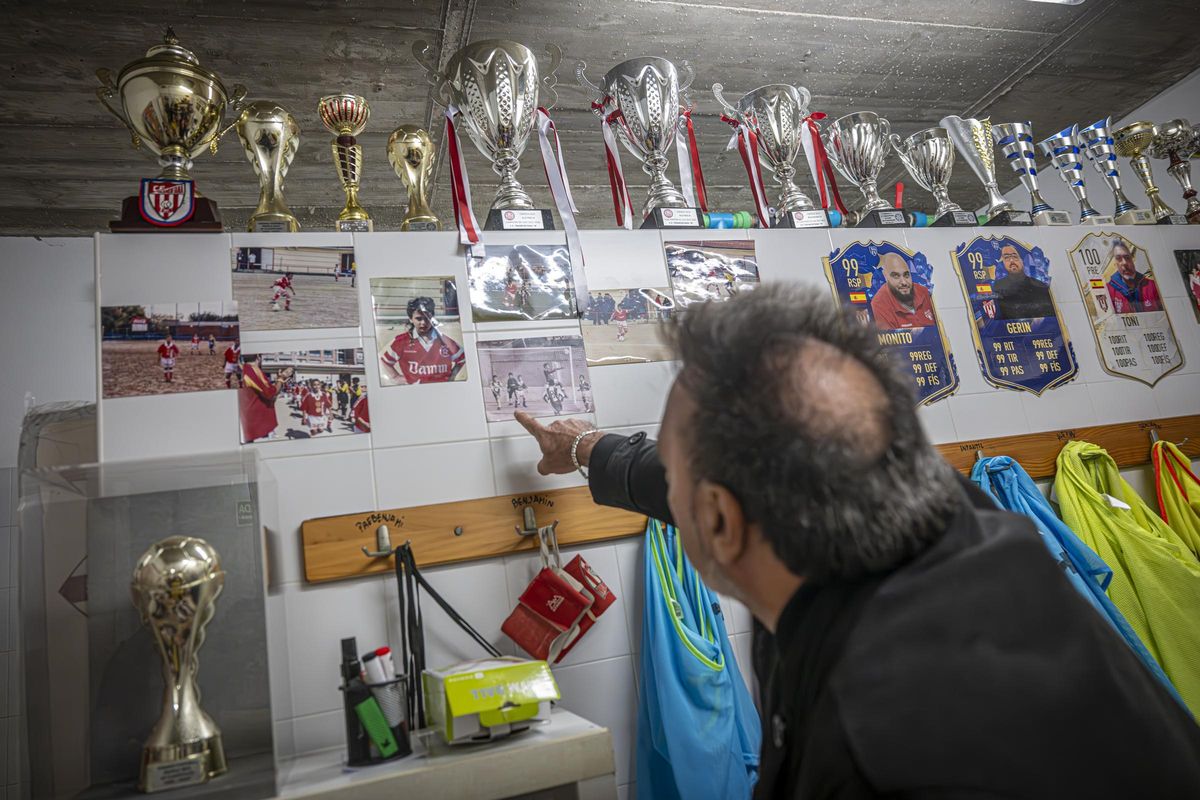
(341, 547)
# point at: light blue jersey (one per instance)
(698, 731)
(1010, 486)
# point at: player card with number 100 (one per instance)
(1020, 341)
(891, 289)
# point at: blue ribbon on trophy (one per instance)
(891, 288)
(1020, 341)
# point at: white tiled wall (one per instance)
(432, 444)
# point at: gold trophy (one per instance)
(345, 116)
(270, 137)
(173, 107)
(1132, 142)
(175, 587)
(411, 152)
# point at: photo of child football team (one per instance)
(303, 394)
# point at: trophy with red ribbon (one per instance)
(769, 124)
(641, 99)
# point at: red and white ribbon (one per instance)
(691, 176)
(622, 204)
(819, 164)
(560, 190)
(747, 145)
(460, 186)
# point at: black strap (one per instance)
(409, 581)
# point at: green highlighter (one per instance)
(371, 717)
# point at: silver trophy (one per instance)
(1177, 141)
(1015, 140)
(1063, 150)
(495, 83)
(646, 93)
(175, 587)
(928, 156)
(776, 115)
(973, 139)
(1133, 142)
(857, 145)
(1097, 145)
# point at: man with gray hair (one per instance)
(912, 640)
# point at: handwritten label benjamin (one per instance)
(377, 519)
(532, 500)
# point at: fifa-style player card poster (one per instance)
(522, 282)
(303, 394)
(168, 348)
(710, 270)
(625, 326)
(545, 375)
(1189, 267)
(890, 288)
(1128, 317)
(289, 288)
(1020, 340)
(418, 330)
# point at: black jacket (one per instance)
(973, 671)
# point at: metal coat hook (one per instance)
(531, 527)
(978, 456)
(1154, 438)
(383, 544)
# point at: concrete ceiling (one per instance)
(65, 163)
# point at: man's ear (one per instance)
(720, 519)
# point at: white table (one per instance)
(567, 758)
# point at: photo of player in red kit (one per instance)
(140, 347)
(417, 330)
(422, 354)
(282, 289)
(233, 372)
(289, 288)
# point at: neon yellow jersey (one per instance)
(1156, 579)
(1178, 493)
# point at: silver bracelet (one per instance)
(575, 450)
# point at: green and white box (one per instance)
(485, 699)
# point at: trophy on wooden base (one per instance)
(270, 137)
(1133, 141)
(857, 146)
(411, 153)
(1176, 141)
(928, 156)
(173, 107)
(175, 586)
(973, 139)
(1098, 147)
(1015, 140)
(1063, 150)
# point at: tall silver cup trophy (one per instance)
(495, 84)
(1176, 141)
(1015, 140)
(857, 145)
(175, 587)
(1098, 146)
(973, 139)
(776, 114)
(928, 156)
(642, 95)
(1063, 150)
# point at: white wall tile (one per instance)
(168, 426)
(7, 665)
(132, 270)
(620, 259)
(309, 487)
(319, 731)
(793, 255)
(318, 618)
(8, 557)
(285, 740)
(743, 650)
(478, 591)
(440, 473)
(609, 637)
(278, 656)
(631, 568)
(937, 422)
(982, 416)
(1066, 406)
(49, 297)
(1122, 400)
(603, 692)
(8, 602)
(515, 460)
(9, 494)
(626, 791)
(1178, 395)
(737, 616)
(631, 394)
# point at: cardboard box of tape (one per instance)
(485, 699)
